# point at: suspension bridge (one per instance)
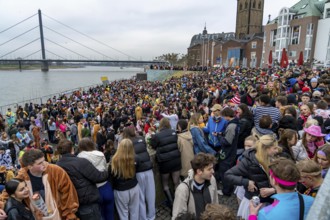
(43, 52)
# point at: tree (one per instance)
(175, 59)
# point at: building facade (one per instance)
(294, 29)
(322, 46)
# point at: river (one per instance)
(17, 87)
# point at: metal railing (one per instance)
(42, 99)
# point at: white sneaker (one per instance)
(220, 193)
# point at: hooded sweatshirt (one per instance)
(186, 147)
(97, 158)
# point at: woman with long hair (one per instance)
(15, 207)
(165, 142)
(288, 139)
(323, 158)
(311, 140)
(87, 149)
(144, 174)
(246, 125)
(125, 184)
(197, 133)
(252, 173)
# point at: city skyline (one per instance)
(142, 30)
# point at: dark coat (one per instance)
(249, 169)
(167, 152)
(247, 99)
(84, 177)
(17, 210)
(246, 125)
(141, 154)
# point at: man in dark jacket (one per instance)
(84, 177)
(227, 154)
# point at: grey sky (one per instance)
(142, 29)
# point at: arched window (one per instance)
(240, 6)
(254, 4)
(259, 5)
(246, 5)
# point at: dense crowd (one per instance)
(253, 132)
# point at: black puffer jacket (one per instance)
(249, 169)
(84, 176)
(16, 210)
(141, 154)
(166, 144)
(167, 152)
(246, 125)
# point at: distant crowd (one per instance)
(261, 134)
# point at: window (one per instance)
(310, 29)
(292, 53)
(328, 51)
(295, 35)
(259, 5)
(240, 7)
(254, 45)
(327, 13)
(246, 5)
(254, 4)
(253, 62)
(273, 38)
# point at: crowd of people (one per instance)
(224, 131)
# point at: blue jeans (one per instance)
(107, 201)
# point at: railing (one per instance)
(42, 99)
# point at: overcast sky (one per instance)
(142, 29)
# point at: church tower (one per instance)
(249, 17)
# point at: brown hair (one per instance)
(217, 212)
(326, 149)
(64, 146)
(164, 124)
(228, 112)
(282, 99)
(310, 168)
(202, 160)
(30, 156)
(265, 121)
(86, 144)
(285, 169)
(285, 136)
(129, 132)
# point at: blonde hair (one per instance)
(217, 212)
(265, 142)
(194, 120)
(251, 138)
(123, 162)
(311, 122)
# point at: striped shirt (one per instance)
(259, 111)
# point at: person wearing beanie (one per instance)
(305, 98)
(313, 83)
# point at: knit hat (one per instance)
(236, 100)
(305, 89)
(313, 80)
(317, 93)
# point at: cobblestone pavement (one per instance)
(164, 213)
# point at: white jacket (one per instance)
(299, 151)
(97, 158)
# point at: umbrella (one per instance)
(301, 59)
(284, 59)
(270, 59)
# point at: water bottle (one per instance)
(39, 203)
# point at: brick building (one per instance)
(295, 30)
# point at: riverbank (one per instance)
(36, 67)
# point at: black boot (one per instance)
(169, 198)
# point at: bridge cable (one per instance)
(30, 54)
(66, 48)
(18, 23)
(20, 47)
(104, 44)
(77, 42)
(19, 35)
(56, 55)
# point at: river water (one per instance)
(18, 87)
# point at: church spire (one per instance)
(205, 31)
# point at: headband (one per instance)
(321, 152)
(280, 181)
